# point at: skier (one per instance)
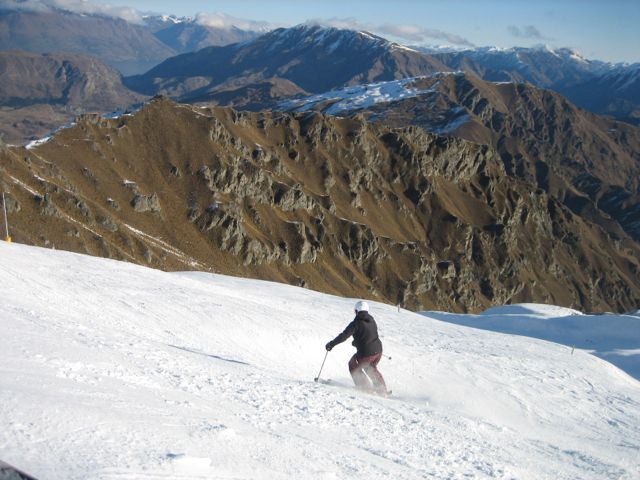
(362, 365)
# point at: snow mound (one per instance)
(614, 338)
(532, 309)
(112, 370)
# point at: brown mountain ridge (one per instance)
(338, 205)
(589, 163)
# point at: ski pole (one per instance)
(386, 356)
(325, 359)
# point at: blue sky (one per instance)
(599, 29)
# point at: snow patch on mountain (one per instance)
(432, 49)
(168, 19)
(397, 46)
(129, 112)
(457, 117)
(36, 143)
(623, 78)
(358, 97)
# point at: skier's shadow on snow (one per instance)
(217, 357)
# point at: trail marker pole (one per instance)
(6, 219)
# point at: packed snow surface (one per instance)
(109, 370)
(615, 338)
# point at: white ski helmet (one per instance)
(362, 306)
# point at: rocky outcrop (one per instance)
(338, 205)
(146, 203)
(590, 164)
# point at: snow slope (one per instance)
(112, 371)
(615, 338)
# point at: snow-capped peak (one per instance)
(327, 37)
(208, 20)
(162, 21)
(174, 19)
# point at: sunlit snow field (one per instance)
(113, 371)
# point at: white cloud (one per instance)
(224, 21)
(76, 6)
(416, 33)
(403, 32)
(527, 31)
(87, 7)
(341, 23)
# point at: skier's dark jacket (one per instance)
(365, 335)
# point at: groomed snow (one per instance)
(615, 338)
(109, 370)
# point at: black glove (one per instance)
(329, 346)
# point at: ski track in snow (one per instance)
(109, 370)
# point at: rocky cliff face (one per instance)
(338, 205)
(589, 163)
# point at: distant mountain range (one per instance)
(541, 66)
(603, 88)
(615, 93)
(313, 58)
(188, 35)
(41, 92)
(131, 48)
(260, 71)
(317, 59)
